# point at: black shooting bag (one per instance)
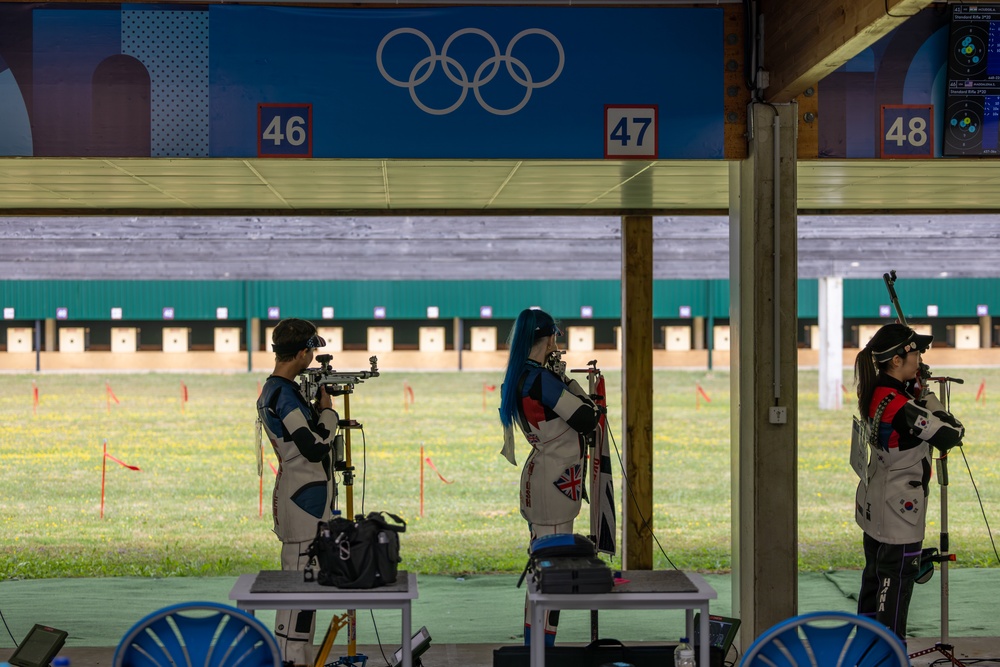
(363, 553)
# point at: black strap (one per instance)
(520, 580)
(877, 419)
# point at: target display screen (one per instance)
(972, 114)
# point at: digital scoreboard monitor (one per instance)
(972, 111)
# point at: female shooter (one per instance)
(554, 413)
(891, 500)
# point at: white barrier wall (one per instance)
(124, 339)
(866, 331)
(432, 339)
(580, 339)
(380, 339)
(677, 338)
(72, 339)
(227, 339)
(720, 337)
(334, 337)
(483, 339)
(176, 339)
(967, 337)
(19, 339)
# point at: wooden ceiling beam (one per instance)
(804, 40)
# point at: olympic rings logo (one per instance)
(457, 74)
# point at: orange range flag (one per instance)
(110, 395)
(408, 398)
(104, 470)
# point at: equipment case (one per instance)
(595, 654)
(572, 574)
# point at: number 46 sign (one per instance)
(907, 131)
(284, 130)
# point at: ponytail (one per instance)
(520, 341)
(877, 355)
(865, 375)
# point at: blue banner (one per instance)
(449, 82)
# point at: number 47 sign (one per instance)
(284, 130)
(631, 131)
(907, 131)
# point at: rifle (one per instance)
(336, 383)
(890, 281)
(924, 371)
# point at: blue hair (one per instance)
(530, 325)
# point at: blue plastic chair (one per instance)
(198, 634)
(827, 639)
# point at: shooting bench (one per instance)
(645, 589)
(278, 589)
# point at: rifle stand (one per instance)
(943, 649)
(944, 556)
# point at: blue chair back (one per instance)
(198, 634)
(827, 639)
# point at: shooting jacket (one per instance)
(301, 439)
(554, 414)
(892, 507)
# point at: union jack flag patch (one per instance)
(571, 482)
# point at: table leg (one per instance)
(407, 634)
(537, 635)
(703, 635)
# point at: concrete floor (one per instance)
(481, 655)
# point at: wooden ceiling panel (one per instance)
(805, 40)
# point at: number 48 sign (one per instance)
(907, 131)
(284, 130)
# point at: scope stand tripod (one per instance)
(943, 557)
(349, 617)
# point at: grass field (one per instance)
(193, 508)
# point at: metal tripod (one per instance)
(943, 557)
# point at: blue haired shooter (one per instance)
(554, 413)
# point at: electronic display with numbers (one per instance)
(972, 110)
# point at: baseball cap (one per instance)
(898, 339)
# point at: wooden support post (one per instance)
(637, 390)
(763, 363)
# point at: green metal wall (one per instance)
(408, 300)
(139, 300)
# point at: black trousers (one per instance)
(887, 582)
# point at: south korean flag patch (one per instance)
(909, 508)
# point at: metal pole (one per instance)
(352, 621)
(943, 481)
(248, 315)
(38, 346)
(709, 321)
